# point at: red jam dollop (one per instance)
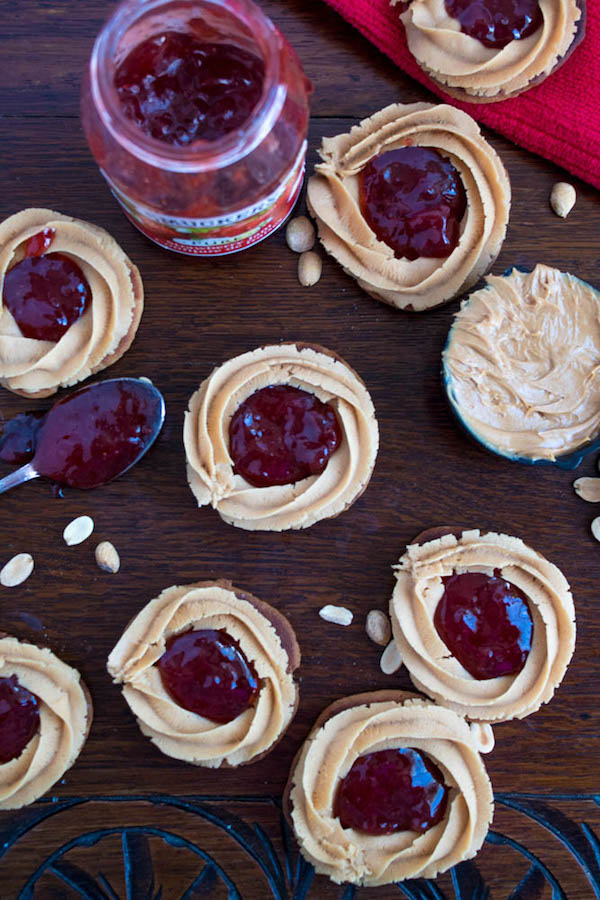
(179, 89)
(413, 199)
(45, 292)
(19, 718)
(19, 438)
(97, 433)
(495, 23)
(486, 623)
(282, 434)
(207, 673)
(392, 790)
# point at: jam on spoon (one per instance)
(392, 790)
(413, 199)
(206, 672)
(282, 434)
(19, 437)
(93, 435)
(45, 293)
(495, 23)
(486, 623)
(19, 718)
(179, 89)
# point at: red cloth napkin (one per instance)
(558, 119)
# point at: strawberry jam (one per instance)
(207, 673)
(19, 718)
(282, 434)
(179, 89)
(45, 292)
(19, 438)
(97, 433)
(486, 623)
(392, 790)
(414, 200)
(495, 23)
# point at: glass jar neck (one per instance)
(126, 28)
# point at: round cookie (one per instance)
(63, 718)
(439, 554)
(367, 723)
(210, 467)
(260, 632)
(36, 367)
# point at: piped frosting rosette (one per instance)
(432, 667)
(100, 336)
(480, 73)
(65, 718)
(209, 465)
(367, 723)
(333, 198)
(268, 643)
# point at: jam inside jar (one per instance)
(197, 114)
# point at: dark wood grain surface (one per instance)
(198, 314)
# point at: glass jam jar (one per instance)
(203, 196)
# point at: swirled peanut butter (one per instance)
(334, 200)
(210, 468)
(65, 717)
(459, 61)
(434, 670)
(522, 363)
(104, 332)
(263, 635)
(367, 723)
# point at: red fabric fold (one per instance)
(559, 119)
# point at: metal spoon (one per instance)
(69, 426)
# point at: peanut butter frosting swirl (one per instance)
(367, 723)
(522, 363)
(65, 716)
(333, 198)
(103, 333)
(432, 667)
(267, 641)
(206, 439)
(462, 62)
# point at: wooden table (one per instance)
(129, 816)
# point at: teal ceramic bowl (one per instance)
(566, 461)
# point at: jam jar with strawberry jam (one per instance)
(196, 112)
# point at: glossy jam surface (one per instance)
(486, 623)
(413, 199)
(19, 718)
(179, 89)
(495, 23)
(45, 292)
(40, 243)
(95, 434)
(19, 438)
(282, 434)
(392, 790)
(207, 673)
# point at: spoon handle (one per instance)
(25, 473)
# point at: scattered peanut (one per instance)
(146, 379)
(300, 234)
(378, 627)
(17, 570)
(339, 615)
(595, 526)
(588, 489)
(78, 530)
(310, 267)
(390, 660)
(107, 557)
(483, 736)
(562, 198)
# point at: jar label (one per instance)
(219, 235)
